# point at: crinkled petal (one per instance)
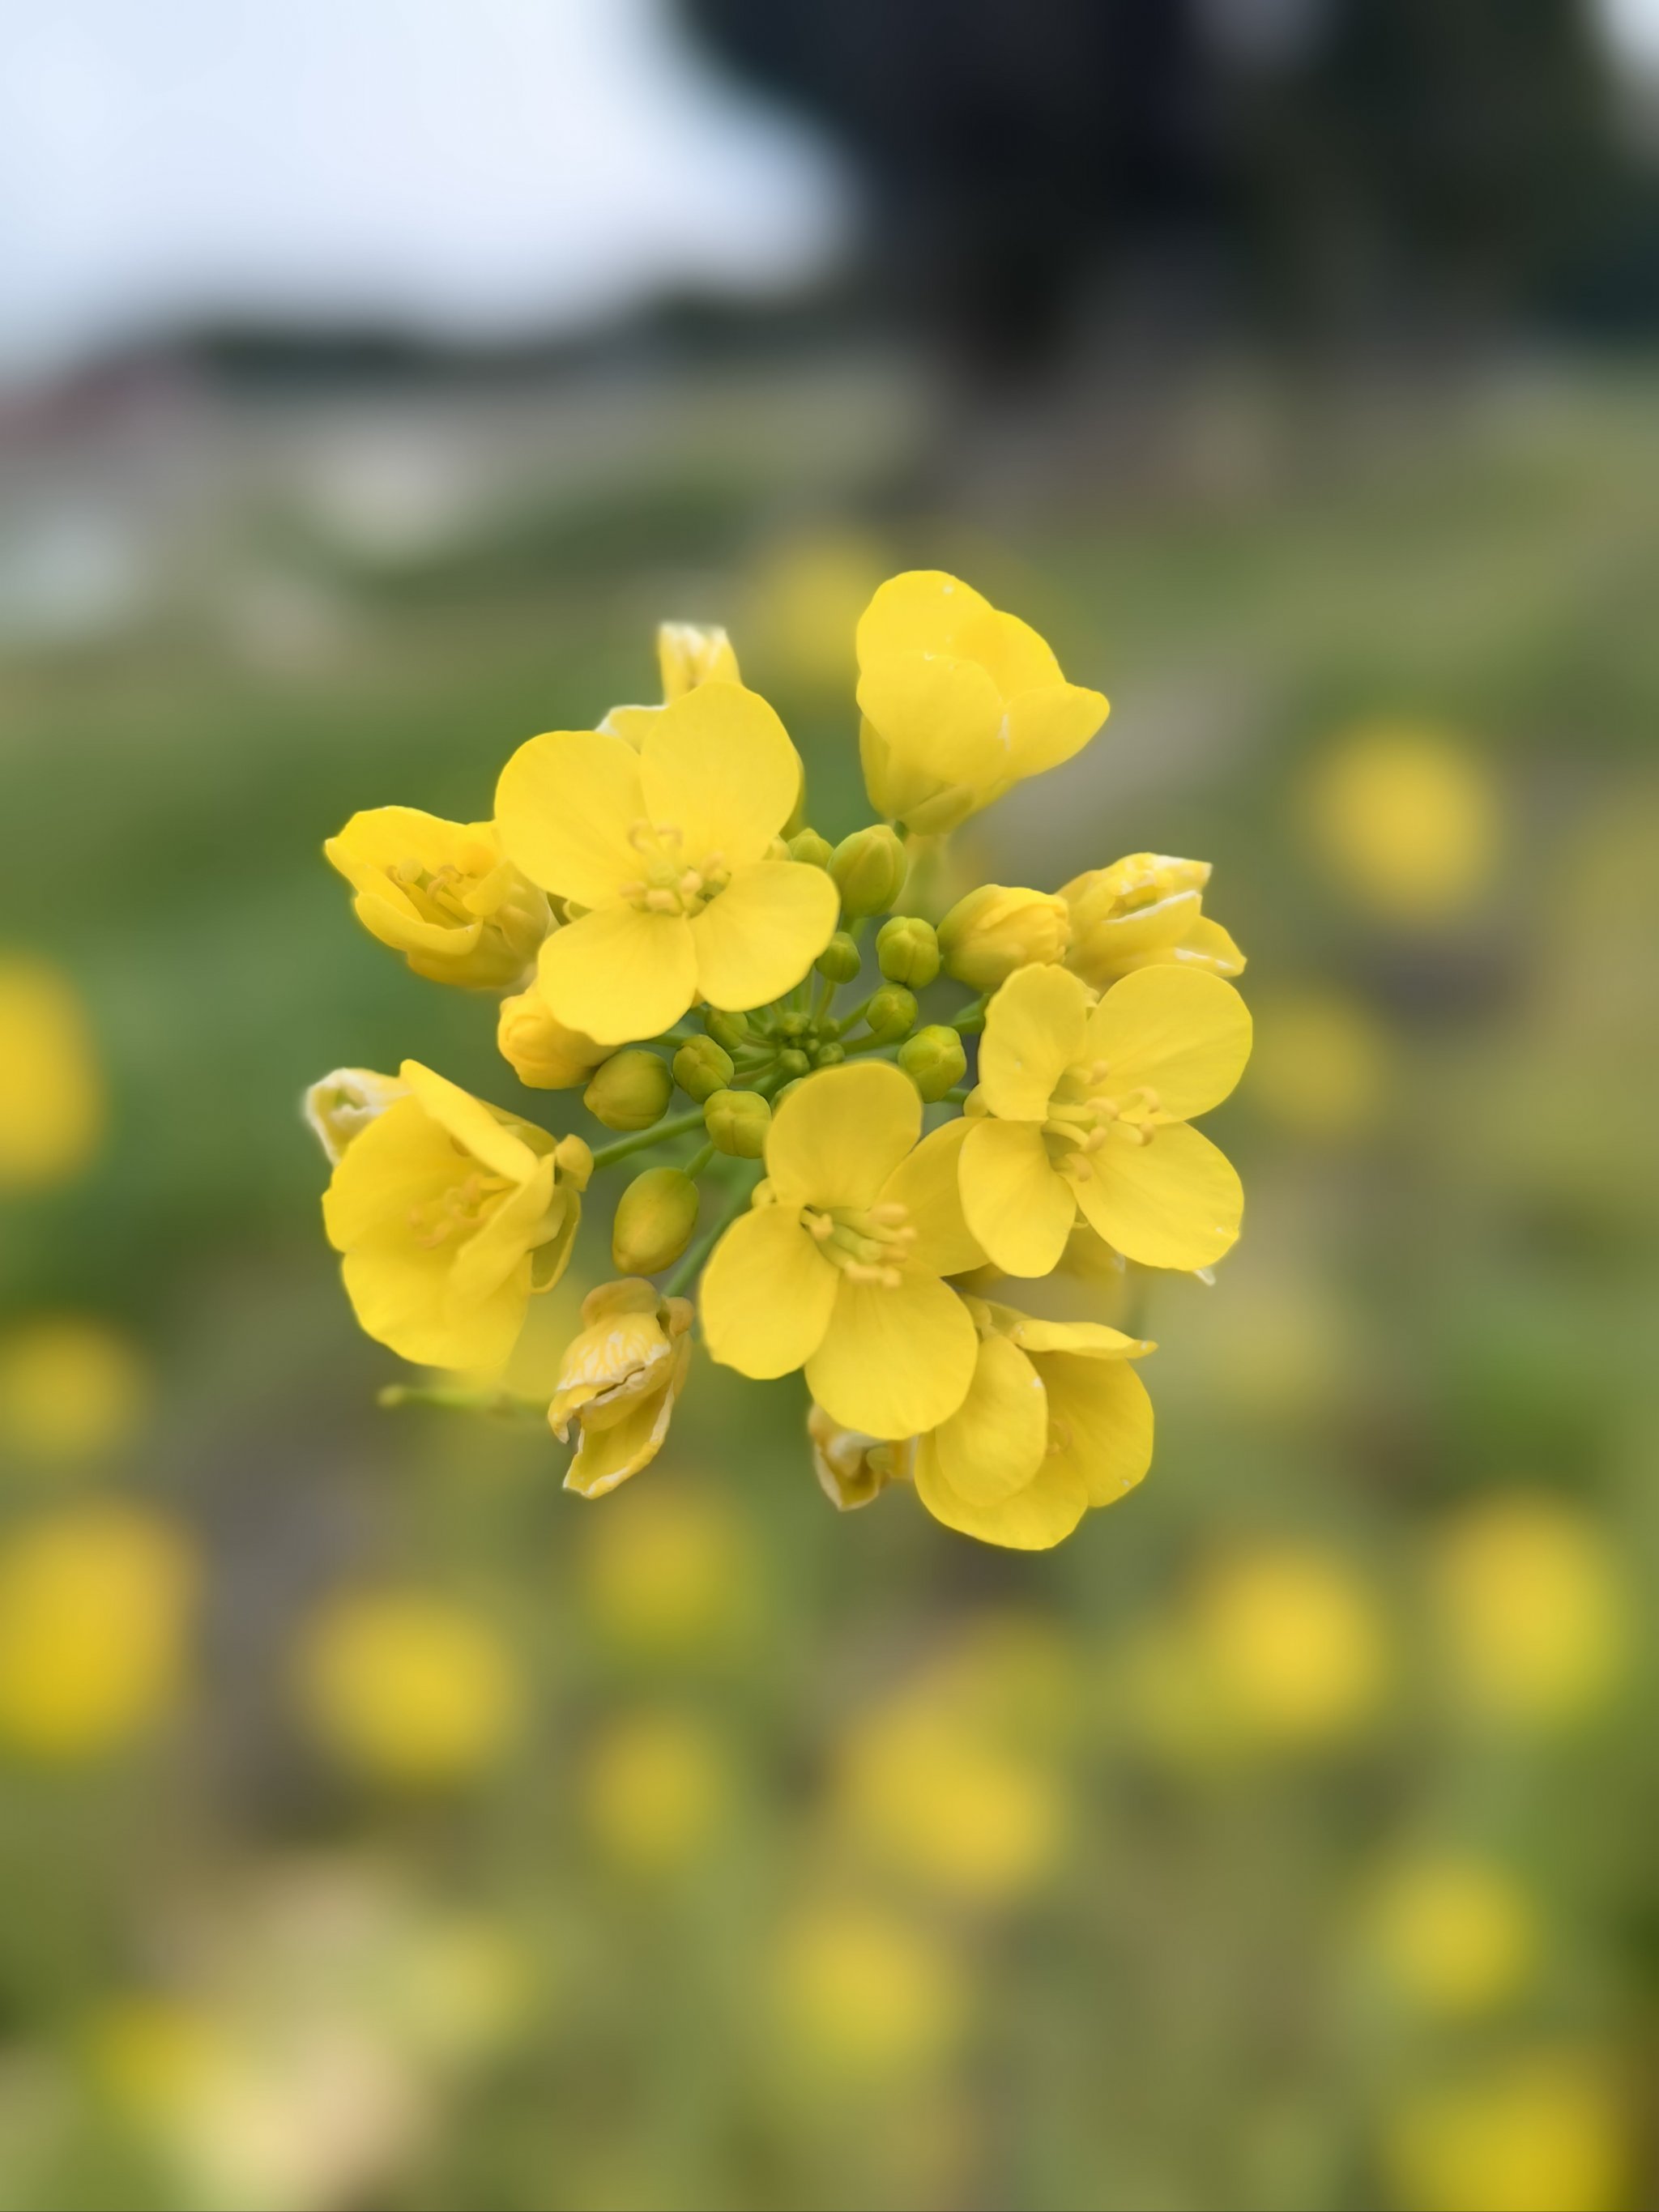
(1102, 1423)
(1183, 1032)
(922, 610)
(1046, 727)
(1034, 1030)
(469, 1121)
(942, 714)
(894, 1360)
(605, 1457)
(619, 973)
(718, 763)
(766, 1295)
(759, 936)
(834, 1141)
(1015, 1205)
(928, 1180)
(994, 1442)
(1175, 1202)
(564, 806)
(1033, 1519)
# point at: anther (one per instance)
(891, 1213)
(661, 902)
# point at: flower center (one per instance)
(1086, 1113)
(869, 1244)
(437, 895)
(458, 1210)
(670, 881)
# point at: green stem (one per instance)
(826, 992)
(691, 1265)
(955, 1097)
(871, 1044)
(658, 1133)
(699, 1161)
(971, 1018)
(462, 1398)
(851, 1021)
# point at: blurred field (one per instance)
(383, 1826)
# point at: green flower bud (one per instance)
(794, 1061)
(829, 1056)
(629, 1092)
(737, 1122)
(729, 1030)
(807, 845)
(907, 950)
(655, 1216)
(934, 1059)
(701, 1068)
(869, 869)
(793, 1025)
(841, 959)
(893, 1012)
(998, 928)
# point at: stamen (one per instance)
(891, 1213)
(661, 902)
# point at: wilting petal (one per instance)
(894, 1361)
(1185, 1033)
(834, 1141)
(607, 1456)
(766, 1295)
(757, 937)
(1047, 726)
(928, 1180)
(718, 763)
(1033, 1520)
(618, 973)
(1102, 1422)
(1175, 1202)
(1015, 1204)
(994, 1442)
(944, 714)
(1034, 1030)
(564, 806)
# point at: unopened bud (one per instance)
(794, 1061)
(737, 1121)
(729, 1030)
(341, 1106)
(540, 1050)
(807, 845)
(841, 959)
(891, 1013)
(934, 1059)
(829, 1056)
(630, 1091)
(655, 1216)
(907, 950)
(869, 869)
(690, 654)
(996, 929)
(701, 1068)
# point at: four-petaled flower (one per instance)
(441, 893)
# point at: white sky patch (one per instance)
(1633, 27)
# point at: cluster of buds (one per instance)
(865, 1119)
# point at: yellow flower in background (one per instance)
(854, 1469)
(408, 1687)
(668, 848)
(1145, 911)
(865, 1994)
(670, 1570)
(540, 1050)
(1534, 1612)
(1054, 1421)
(1455, 1934)
(806, 598)
(71, 1388)
(996, 929)
(1543, 2132)
(341, 1105)
(1322, 1064)
(1086, 1108)
(1406, 819)
(960, 701)
(442, 894)
(839, 1273)
(655, 1789)
(619, 1380)
(53, 1107)
(1291, 1643)
(450, 1213)
(95, 1607)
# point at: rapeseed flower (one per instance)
(407, 1687)
(72, 1388)
(53, 1107)
(442, 894)
(1406, 819)
(1086, 1107)
(1145, 911)
(621, 1377)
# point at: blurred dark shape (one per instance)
(1334, 169)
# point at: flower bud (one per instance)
(869, 869)
(852, 1468)
(829, 1056)
(737, 1121)
(891, 1013)
(934, 1059)
(701, 1068)
(341, 1106)
(996, 929)
(630, 1091)
(540, 1050)
(690, 654)
(728, 1030)
(841, 959)
(907, 950)
(794, 1061)
(655, 1216)
(807, 845)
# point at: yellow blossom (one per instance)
(408, 1687)
(450, 1213)
(655, 1788)
(1406, 820)
(52, 1106)
(540, 1050)
(854, 1469)
(671, 1568)
(840, 1271)
(619, 1381)
(1145, 911)
(442, 894)
(340, 1105)
(1291, 1642)
(71, 1388)
(1541, 2132)
(1321, 1063)
(866, 1994)
(668, 848)
(1054, 1422)
(996, 929)
(1086, 1107)
(1455, 1934)
(688, 654)
(959, 702)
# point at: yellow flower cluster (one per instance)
(658, 918)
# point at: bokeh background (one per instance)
(380, 1825)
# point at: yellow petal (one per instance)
(922, 610)
(619, 973)
(758, 936)
(994, 1442)
(1175, 1202)
(836, 1139)
(605, 1457)
(718, 763)
(1015, 1205)
(469, 1121)
(1087, 1339)
(401, 1299)
(894, 1361)
(564, 806)
(1034, 1030)
(1184, 1033)
(1102, 1423)
(928, 1181)
(943, 715)
(1016, 658)
(401, 1160)
(1047, 726)
(508, 1231)
(1208, 945)
(766, 1295)
(1033, 1520)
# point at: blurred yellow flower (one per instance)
(1534, 1612)
(1406, 820)
(1455, 1934)
(1144, 911)
(1321, 1063)
(442, 894)
(1291, 1644)
(670, 1570)
(805, 599)
(540, 1050)
(408, 1687)
(655, 1788)
(71, 1388)
(620, 1378)
(1541, 2132)
(95, 1606)
(52, 1106)
(867, 1995)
